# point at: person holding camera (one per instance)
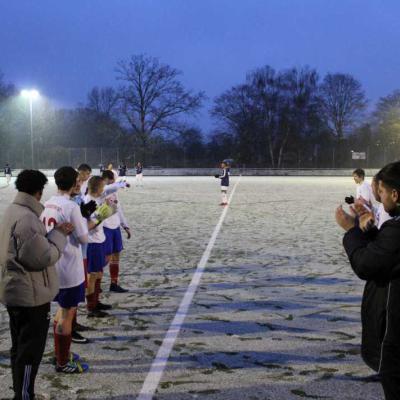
(374, 256)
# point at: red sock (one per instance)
(114, 271)
(91, 301)
(86, 272)
(63, 346)
(97, 287)
(54, 334)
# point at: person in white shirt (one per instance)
(85, 172)
(364, 190)
(139, 174)
(96, 251)
(110, 167)
(112, 230)
(380, 215)
(60, 209)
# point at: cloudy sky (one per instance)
(64, 48)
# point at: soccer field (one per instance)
(276, 314)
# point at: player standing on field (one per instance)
(85, 172)
(58, 209)
(122, 170)
(7, 173)
(112, 231)
(110, 167)
(224, 177)
(96, 251)
(364, 190)
(139, 174)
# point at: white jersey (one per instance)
(364, 190)
(381, 215)
(118, 219)
(84, 186)
(58, 209)
(96, 235)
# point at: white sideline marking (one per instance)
(155, 374)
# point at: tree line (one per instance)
(288, 118)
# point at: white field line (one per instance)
(155, 374)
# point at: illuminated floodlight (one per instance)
(31, 94)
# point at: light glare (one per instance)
(31, 94)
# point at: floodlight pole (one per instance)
(31, 115)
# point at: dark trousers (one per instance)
(29, 327)
(391, 387)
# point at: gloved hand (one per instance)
(128, 232)
(216, 176)
(88, 209)
(349, 199)
(103, 212)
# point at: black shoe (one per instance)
(97, 314)
(78, 338)
(114, 287)
(82, 328)
(101, 306)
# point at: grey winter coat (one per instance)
(28, 277)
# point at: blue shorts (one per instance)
(96, 257)
(71, 297)
(113, 241)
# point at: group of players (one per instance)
(91, 206)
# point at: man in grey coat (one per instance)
(28, 279)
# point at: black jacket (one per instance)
(375, 257)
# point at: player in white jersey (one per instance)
(139, 174)
(59, 209)
(96, 252)
(112, 231)
(364, 190)
(85, 172)
(110, 167)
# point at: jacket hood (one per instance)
(27, 200)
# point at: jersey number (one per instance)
(50, 223)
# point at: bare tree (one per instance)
(343, 100)
(269, 112)
(103, 100)
(152, 97)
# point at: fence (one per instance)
(52, 157)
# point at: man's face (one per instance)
(84, 176)
(357, 179)
(76, 190)
(389, 197)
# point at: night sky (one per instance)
(64, 48)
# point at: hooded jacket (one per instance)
(375, 257)
(28, 277)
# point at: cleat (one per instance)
(102, 306)
(114, 287)
(97, 314)
(78, 338)
(82, 328)
(73, 367)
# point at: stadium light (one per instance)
(31, 95)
